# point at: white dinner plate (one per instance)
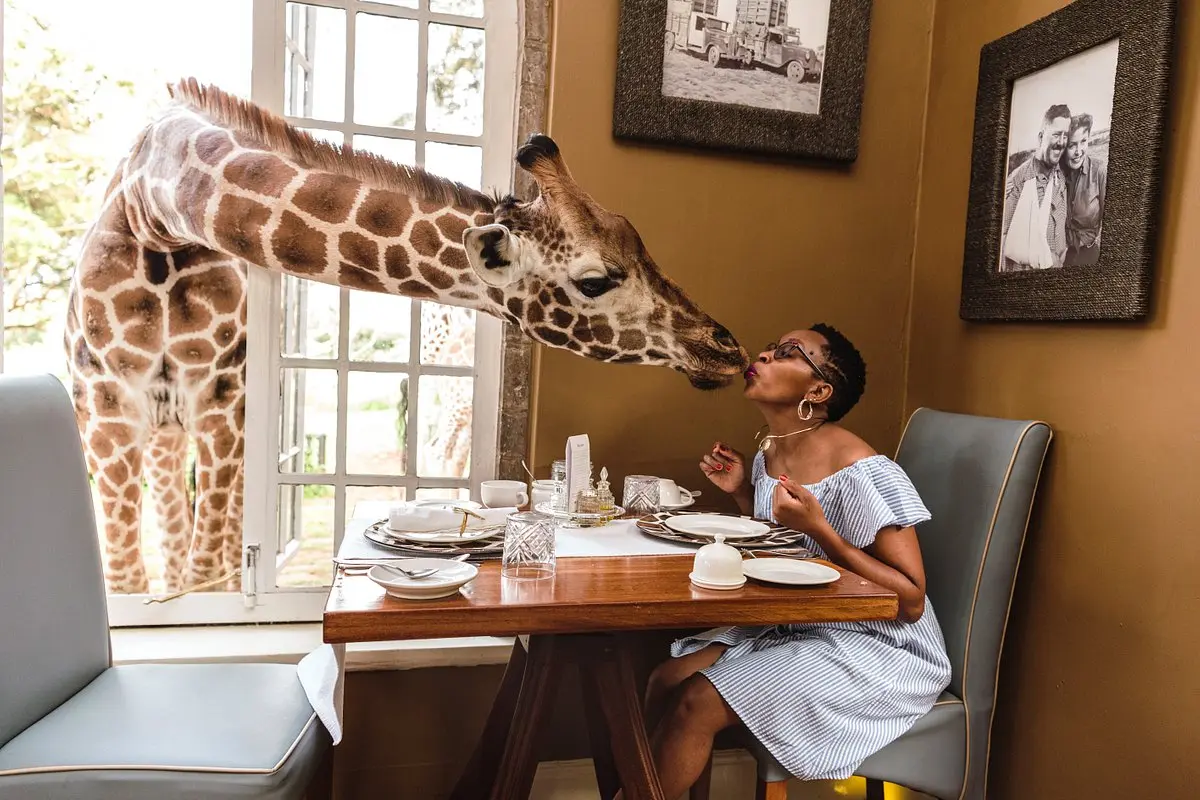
(789, 571)
(710, 525)
(473, 533)
(450, 577)
(449, 505)
(686, 500)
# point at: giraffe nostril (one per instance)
(723, 337)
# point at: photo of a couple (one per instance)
(1058, 163)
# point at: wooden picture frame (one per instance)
(1110, 215)
(757, 63)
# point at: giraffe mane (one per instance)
(278, 135)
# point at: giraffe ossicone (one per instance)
(156, 321)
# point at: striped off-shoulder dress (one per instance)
(821, 698)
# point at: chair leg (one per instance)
(775, 790)
(874, 789)
(703, 784)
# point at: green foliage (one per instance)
(461, 72)
(53, 178)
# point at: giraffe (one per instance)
(156, 320)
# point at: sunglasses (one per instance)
(786, 349)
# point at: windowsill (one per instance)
(287, 644)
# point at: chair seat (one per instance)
(153, 731)
(905, 761)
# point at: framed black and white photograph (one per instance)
(1070, 118)
(775, 77)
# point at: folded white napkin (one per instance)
(356, 547)
(320, 674)
(423, 518)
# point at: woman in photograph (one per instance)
(1087, 178)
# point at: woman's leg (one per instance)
(683, 741)
(668, 675)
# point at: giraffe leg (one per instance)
(218, 499)
(166, 474)
(233, 528)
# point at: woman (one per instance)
(1087, 179)
(821, 698)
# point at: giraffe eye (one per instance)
(594, 287)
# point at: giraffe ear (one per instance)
(494, 253)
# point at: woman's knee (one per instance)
(665, 677)
(700, 705)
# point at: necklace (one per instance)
(765, 444)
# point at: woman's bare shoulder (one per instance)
(846, 448)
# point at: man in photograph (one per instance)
(1035, 201)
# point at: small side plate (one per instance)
(709, 525)
(789, 571)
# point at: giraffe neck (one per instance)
(373, 225)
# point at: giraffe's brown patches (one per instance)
(96, 328)
(101, 446)
(600, 352)
(158, 269)
(239, 225)
(395, 261)
(384, 213)
(484, 218)
(118, 434)
(192, 295)
(561, 297)
(495, 294)
(658, 341)
(452, 227)
(657, 354)
(562, 318)
(628, 358)
(535, 313)
(225, 475)
(551, 336)
(213, 145)
(436, 277)
(460, 294)
(85, 359)
(354, 277)
(234, 356)
(326, 196)
(225, 334)
(142, 312)
(455, 258)
(582, 332)
(298, 245)
(223, 444)
(601, 330)
(424, 238)
(117, 472)
(259, 172)
(516, 307)
(359, 250)
(218, 501)
(193, 352)
(106, 399)
(112, 259)
(124, 363)
(657, 315)
(417, 289)
(631, 340)
(129, 516)
(192, 194)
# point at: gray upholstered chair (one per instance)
(978, 477)
(72, 726)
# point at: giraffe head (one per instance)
(576, 276)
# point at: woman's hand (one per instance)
(725, 467)
(797, 508)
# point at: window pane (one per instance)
(455, 96)
(447, 335)
(309, 326)
(444, 426)
(377, 423)
(443, 494)
(305, 519)
(314, 78)
(379, 326)
(385, 71)
(467, 8)
(307, 420)
(402, 151)
(457, 162)
(372, 502)
(401, 3)
(333, 137)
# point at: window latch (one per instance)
(250, 576)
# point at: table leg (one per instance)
(607, 674)
(599, 737)
(519, 763)
(480, 773)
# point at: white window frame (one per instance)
(260, 601)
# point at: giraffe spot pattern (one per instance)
(515, 306)
(124, 363)
(193, 351)
(327, 197)
(234, 356)
(142, 312)
(111, 258)
(106, 399)
(436, 277)
(535, 313)
(602, 332)
(562, 318)
(358, 278)
(452, 227)
(417, 289)
(212, 145)
(395, 262)
(551, 336)
(460, 294)
(238, 225)
(85, 361)
(561, 297)
(225, 334)
(359, 250)
(156, 266)
(192, 194)
(259, 172)
(298, 246)
(455, 258)
(424, 238)
(601, 352)
(384, 213)
(96, 329)
(631, 339)
(657, 354)
(495, 294)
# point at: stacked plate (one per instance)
(739, 532)
(447, 580)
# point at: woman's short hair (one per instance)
(844, 366)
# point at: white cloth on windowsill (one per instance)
(322, 671)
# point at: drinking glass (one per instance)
(528, 547)
(641, 494)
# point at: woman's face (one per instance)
(790, 378)
(1077, 147)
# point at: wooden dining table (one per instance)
(584, 616)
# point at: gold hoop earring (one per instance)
(801, 410)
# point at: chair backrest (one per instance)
(53, 617)
(978, 477)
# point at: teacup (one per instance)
(503, 494)
(542, 492)
(668, 492)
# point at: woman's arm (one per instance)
(893, 562)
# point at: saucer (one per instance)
(686, 500)
(789, 571)
(452, 576)
(703, 584)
